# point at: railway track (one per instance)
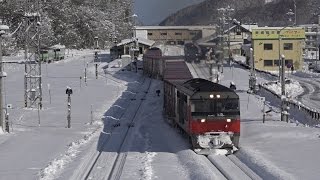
(108, 161)
(232, 168)
(228, 167)
(199, 72)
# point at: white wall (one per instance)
(142, 34)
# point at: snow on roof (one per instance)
(58, 46)
(173, 27)
(247, 27)
(276, 28)
(140, 40)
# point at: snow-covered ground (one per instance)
(274, 149)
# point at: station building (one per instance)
(269, 43)
(174, 35)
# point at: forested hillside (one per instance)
(73, 23)
(247, 11)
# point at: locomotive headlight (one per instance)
(211, 96)
(218, 95)
(203, 120)
(228, 120)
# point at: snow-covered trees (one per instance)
(73, 23)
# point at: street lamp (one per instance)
(3, 29)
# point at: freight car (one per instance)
(152, 65)
(154, 62)
(207, 112)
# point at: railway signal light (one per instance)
(69, 92)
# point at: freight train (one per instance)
(209, 113)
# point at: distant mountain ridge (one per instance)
(248, 11)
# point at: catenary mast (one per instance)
(32, 76)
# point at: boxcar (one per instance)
(154, 62)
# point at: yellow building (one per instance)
(266, 42)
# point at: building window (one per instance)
(257, 32)
(192, 33)
(276, 62)
(262, 32)
(287, 46)
(272, 32)
(267, 46)
(267, 32)
(178, 33)
(163, 34)
(149, 34)
(268, 63)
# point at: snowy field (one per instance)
(40, 146)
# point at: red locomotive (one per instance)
(209, 113)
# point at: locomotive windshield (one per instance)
(217, 107)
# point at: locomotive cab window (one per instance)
(217, 107)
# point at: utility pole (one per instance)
(32, 77)
(96, 66)
(295, 12)
(3, 29)
(253, 78)
(229, 11)
(284, 107)
(225, 14)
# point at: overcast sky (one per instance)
(152, 12)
